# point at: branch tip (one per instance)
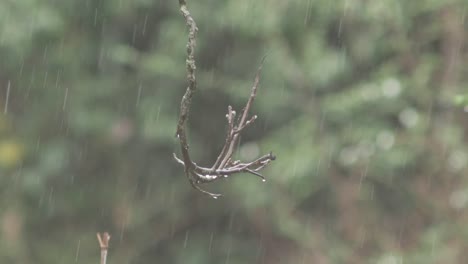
(223, 167)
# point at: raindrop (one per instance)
(51, 195)
(65, 97)
(31, 82)
(362, 236)
(77, 251)
(45, 79)
(263, 180)
(211, 242)
(124, 225)
(306, 19)
(21, 68)
(363, 175)
(340, 26)
(144, 25)
(135, 28)
(38, 144)
(57, 79)
(157, 115)
(5, 110)
(186, 239)
(95, 16)
(45, 54)
(231, 221)
(139, 94)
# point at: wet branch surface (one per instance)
(224, 166)
(103, 239)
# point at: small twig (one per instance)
(103, 240)
(243, 119)
(224, 166)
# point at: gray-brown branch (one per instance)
(224, 166)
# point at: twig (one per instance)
(103, 240)
(224, 166)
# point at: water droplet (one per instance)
(140, 87)
(186, 238)
(263, 180)
(65, 97)
(77, 251)
(5, 110)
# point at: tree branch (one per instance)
(103, 240)
(224, 165)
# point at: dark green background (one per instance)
(363, 102)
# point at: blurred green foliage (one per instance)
(363, 102)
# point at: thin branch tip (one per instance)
(272, 157)
(103, 239)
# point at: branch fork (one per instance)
(224, 166)
(103, 239)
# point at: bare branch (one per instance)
(223, 166)
(243, 118)
(230, 117)
(192, 85)
(103, 240)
